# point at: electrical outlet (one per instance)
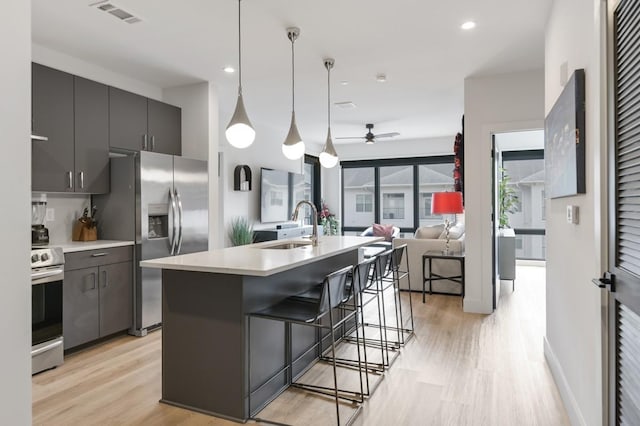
(50, 215)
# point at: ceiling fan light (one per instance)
(293, 146)
(240, 133)
(369, 141)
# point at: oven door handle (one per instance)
(46, 348)
(46, 276)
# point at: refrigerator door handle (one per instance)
(180, 221)
(173, 222)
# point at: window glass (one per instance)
(432, 178)
(396, 195)
(527, 178)
(358, 191)
(364, 203)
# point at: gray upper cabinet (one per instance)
(73, 114)
(52, 161)
(128, 120)
(91, 136)
(141, 124)
(165, 127)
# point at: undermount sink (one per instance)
(289, 245)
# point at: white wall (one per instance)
(492, 104)
(575, 253)
(63, 62)
(391, 148)
(193, 99)
(264, 152)
(15, 170)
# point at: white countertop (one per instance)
(258, 259)
(73, 246)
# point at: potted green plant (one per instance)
(241, 231)
(507, 199)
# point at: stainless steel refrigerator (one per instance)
(160, 201)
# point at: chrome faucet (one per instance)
(294, 217)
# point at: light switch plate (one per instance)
(572, 214)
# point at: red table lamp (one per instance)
(446, 203)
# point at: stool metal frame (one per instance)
(310, 312)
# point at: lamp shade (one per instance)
(446, 203)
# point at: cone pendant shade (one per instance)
(240, 132)
(328, 156)
(293, 146)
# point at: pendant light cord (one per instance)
(293, 77)
(239, 51)
(329, 97)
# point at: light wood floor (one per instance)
(460, 369)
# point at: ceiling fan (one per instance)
(369, 137)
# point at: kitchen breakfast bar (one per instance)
(206, 297)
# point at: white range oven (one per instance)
(47, 273)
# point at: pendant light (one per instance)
(328, 156)
(293, 146)
(240, 132)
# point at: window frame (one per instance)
(415, 162)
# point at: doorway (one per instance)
(518, 205)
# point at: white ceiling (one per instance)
(418, 44)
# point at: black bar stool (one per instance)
(397, 274)
(360, 282)
(309, 311)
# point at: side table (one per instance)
(438, 254)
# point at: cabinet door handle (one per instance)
(99, 254)
(153, 143)
(106, 280)
(81, 180)
(144, 142)
(70, 180)
(93, 287)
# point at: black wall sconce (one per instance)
(242, 178)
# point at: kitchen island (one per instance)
(205, 299)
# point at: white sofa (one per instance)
(424, 241)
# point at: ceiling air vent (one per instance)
(118, 12)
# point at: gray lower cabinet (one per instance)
(141, 124)
(80, 307)
(98, 299)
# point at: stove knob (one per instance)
(44, 257)
(35, 258)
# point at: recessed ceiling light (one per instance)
(468, 25)
(344, 82)
(381, 78)
(229, 70)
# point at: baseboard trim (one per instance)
(570, 403)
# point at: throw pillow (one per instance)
(385, 231)
(429, 232)
(455, 232)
